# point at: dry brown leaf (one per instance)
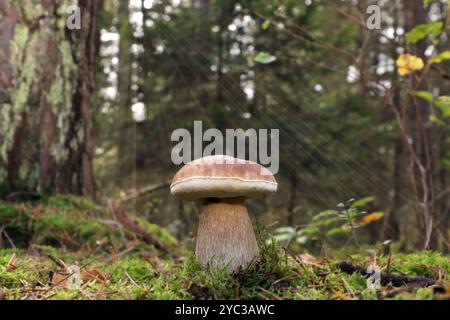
(67, 278)
(308, 259)
(93, 274)
(59, 278)
(341, 296)
(442, 292)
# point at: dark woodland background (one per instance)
(90, 112)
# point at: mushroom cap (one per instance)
(222, 176)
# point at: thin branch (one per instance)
(124, 219)
(135, 193)
(386, 278)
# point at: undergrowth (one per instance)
(115, 264)
(71, 223)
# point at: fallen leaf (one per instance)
(93, 274)
(308, 259)
(68, 278)
(341, 296)
(442, 292)
(59, 278)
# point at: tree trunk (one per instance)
(392, 220)
(422, 142)
(124, 116)
(391, 224)
(444, 199)
(292, 200)
(46, 91)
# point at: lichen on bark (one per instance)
(44, 72)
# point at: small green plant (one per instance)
(346, 219)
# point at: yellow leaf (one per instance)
(408, 63)
(403, 71)
(371, 218)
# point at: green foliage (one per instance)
(441, 57)
(425, 95)
(421, 31)
(331, 223)
(428, 2)
(265, 25)
(249, 64)
(441, 103)
(265, 58)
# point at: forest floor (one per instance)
(68, 248)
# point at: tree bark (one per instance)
(422, 132)
(391, 224)
(47, 85)
(124, 116)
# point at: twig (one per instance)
(9, 239)
(135, 193)
(23, 196)
(122, 253)
(131, 279)
(273, 295)
(124, 219)
(386, 278)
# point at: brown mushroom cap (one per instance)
(222, 177)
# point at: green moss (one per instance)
(68, 228)
(161, 289)
(426, 263)
(162, 233)
(18, 44)
(24, 70)
(138, 269)
(60, 95)
(8, 212)
(55, 94)
(419, 294)
(26, 270)
(27, 67)
(58, 294)
(44, 225)
(72, 222)
(70, 202)
(133, 277)
(31, 9)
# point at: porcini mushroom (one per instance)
(225, 234)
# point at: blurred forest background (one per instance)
(363, 113)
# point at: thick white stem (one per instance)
(225, 235)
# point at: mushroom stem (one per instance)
(225, 234)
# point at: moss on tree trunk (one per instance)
(46, 95)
